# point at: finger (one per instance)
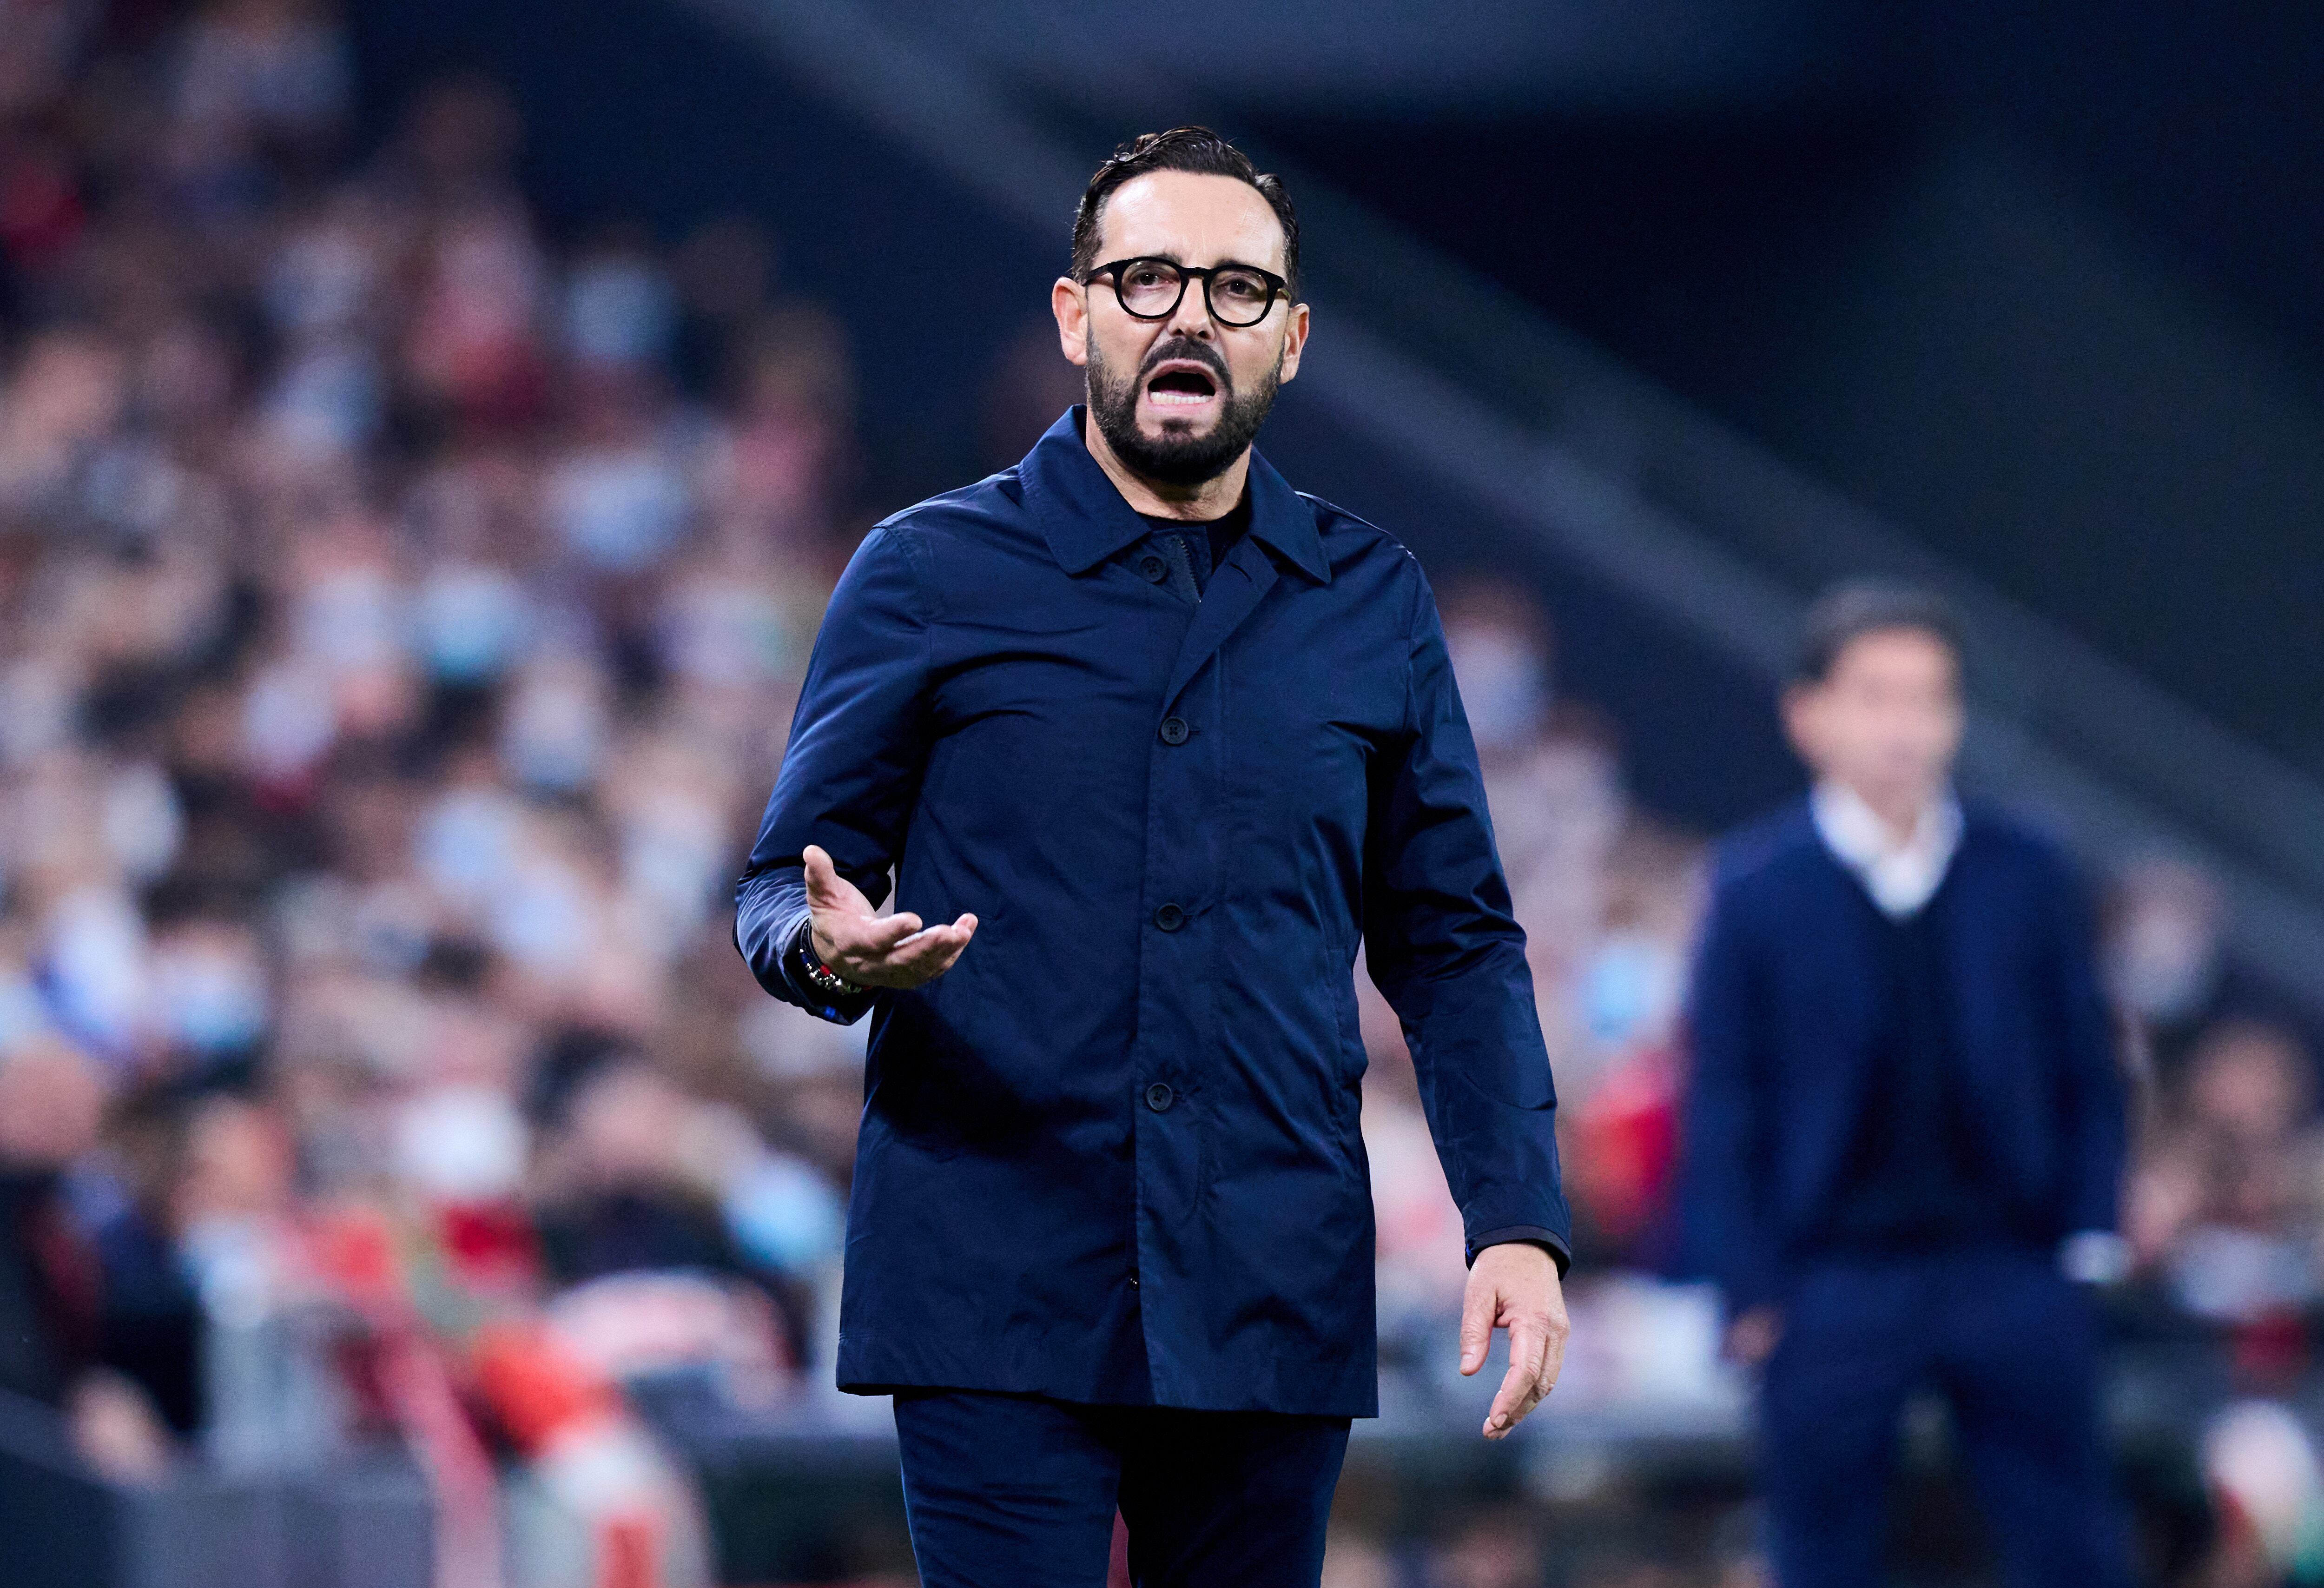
(831, 896)
(940, 936)
(889, 930)
(966, 923)
(865, 942)
(1553, 1358)
(923, 956)
(1477, 1310)
(1521, 1388)
(930, 953)
(1506, 1401)
(963, 929)
(822, 879)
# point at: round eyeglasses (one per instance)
(1237, 295)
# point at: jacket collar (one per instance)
(1084, 519)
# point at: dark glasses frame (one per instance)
(1277, 287)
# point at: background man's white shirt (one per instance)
(1901, 875)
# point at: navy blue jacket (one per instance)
(1784, 1023)
(1112, 1154)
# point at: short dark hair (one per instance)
(1198, 149)
(1848, 611)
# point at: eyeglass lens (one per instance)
(1150, 288)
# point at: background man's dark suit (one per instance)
(1894, 1123)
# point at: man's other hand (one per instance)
(1514, 1286)
(875, 950)
(1753, 1335)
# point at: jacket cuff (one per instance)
(1531, 1234)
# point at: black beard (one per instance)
(1174, 459)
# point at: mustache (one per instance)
(1201, 353)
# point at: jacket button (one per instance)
(1169, 918)
(1133, 1282)
(1159, 1096)
(1150, 569)
(1174, 730)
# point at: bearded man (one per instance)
(1168, 740)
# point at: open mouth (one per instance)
(1181, 386)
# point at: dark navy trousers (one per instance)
(1020, 1492)
(2011, 1345)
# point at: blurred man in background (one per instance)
(50, 1285)
(1179, 736)
(1906, 1128)
(76, 1331)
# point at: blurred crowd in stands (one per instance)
(400, 618)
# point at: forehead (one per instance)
(1192, 218)
(1889, 653)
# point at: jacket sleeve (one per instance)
(1447, 953)
(2094, 1106)
(1725, 1192)
(851, 770)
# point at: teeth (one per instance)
(1177, 399)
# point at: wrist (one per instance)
(1546, 1241)
(817, 975)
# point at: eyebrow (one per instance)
(1228, 263)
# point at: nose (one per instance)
(1192, 318)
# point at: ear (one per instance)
(1069, 302)
(1802, 720)
(1295, 342)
